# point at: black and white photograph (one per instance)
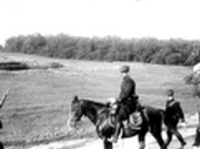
(99, 74)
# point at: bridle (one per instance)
(76, 112)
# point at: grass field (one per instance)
(37, 108)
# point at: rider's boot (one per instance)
(142, 145)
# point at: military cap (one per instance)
(124, 69)
(170, 92)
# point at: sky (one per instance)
(161, 19)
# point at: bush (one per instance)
(173, 58)
(56, 65)
(148, 50)
(13, 66)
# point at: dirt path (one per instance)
(122, 144)
(150, 142)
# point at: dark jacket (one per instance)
(127, 88)
(197, 137)
(174, 111)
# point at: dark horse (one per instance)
(152, 122)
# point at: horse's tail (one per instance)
(156, 118)
(163, 115)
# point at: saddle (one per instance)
(134, 121)
(106, 121)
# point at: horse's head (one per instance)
(76, 111)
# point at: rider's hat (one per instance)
(170, 92)
(124, 69)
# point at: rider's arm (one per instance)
(180, 111)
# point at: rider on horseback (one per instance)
(127, 101)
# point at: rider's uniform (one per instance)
(128, 101)
(127, 98)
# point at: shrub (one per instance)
(13, 66)
(173, 58)
(148, 50)
(56, 65)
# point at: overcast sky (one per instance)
(162, 19)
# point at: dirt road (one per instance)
(122, 144)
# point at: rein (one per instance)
(91, 109)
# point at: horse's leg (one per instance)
(156, 129)
(157, 133)
(141, 139)
(107, 144)
(142, 143)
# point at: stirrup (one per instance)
(113, 139)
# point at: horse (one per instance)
(152, 122)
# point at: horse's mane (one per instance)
(92, 108)
(94, 103)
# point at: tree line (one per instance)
(147, 50)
